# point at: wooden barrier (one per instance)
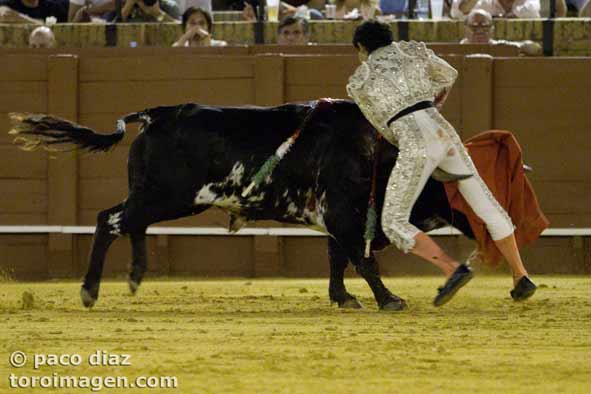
(347, 49)
(541, 100)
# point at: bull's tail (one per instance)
(34, 131)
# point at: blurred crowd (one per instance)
(197, 16)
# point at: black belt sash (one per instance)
(413, 108)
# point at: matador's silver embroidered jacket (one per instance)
(392, 79)
(396, 77)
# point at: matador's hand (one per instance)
(440, 99)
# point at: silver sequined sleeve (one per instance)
(442, 74)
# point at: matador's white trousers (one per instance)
(427, 141)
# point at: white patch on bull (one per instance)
(235, 176)
(313, 218)
(320, 212)
(121, 126)
(146, 118)
(292, 209)
(316, 216)
(115, 222)
(256, 197)
(205, 195)
(231, 201)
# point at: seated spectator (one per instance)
(479, 29)
(197, 28)
(585, 12)
(561, 9)
(85, 11)
(308, 9)
(150, 11)
(394, 7)
(399, 8)
(203, 4)
(33, 11)
(573, 9)
(250, 10)
(366, 9)
(293, 31)
(42, 37)
(497, 8)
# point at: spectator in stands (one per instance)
(309, 9)
(357, 9)
(42, 37)
(393, 9)
(203, 4)
(150, 11)
(562, 9)
(299, 8)
(293, 31)
(33, 11)
(585, 12)
(479, 29)
(573, 7)
(497, 8)
(248, 12)
(197, 28)
(85, 11)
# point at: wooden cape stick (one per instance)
(372, 217)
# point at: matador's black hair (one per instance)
(372, 35)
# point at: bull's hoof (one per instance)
(87, 299)
(133, 286)
(350, 303)
(394, 305)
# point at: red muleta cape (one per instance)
(497, 156)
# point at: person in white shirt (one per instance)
(197, 26)
(400, 87)
(497, 8)
(479, 29)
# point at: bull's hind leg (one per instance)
(139, 262)
(336, 289)
(108, 228)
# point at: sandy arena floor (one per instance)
(282, 336)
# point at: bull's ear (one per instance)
(444, 176)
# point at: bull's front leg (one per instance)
(350, 239)
(368, 268)
(336, 289)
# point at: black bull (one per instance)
(192, 157)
